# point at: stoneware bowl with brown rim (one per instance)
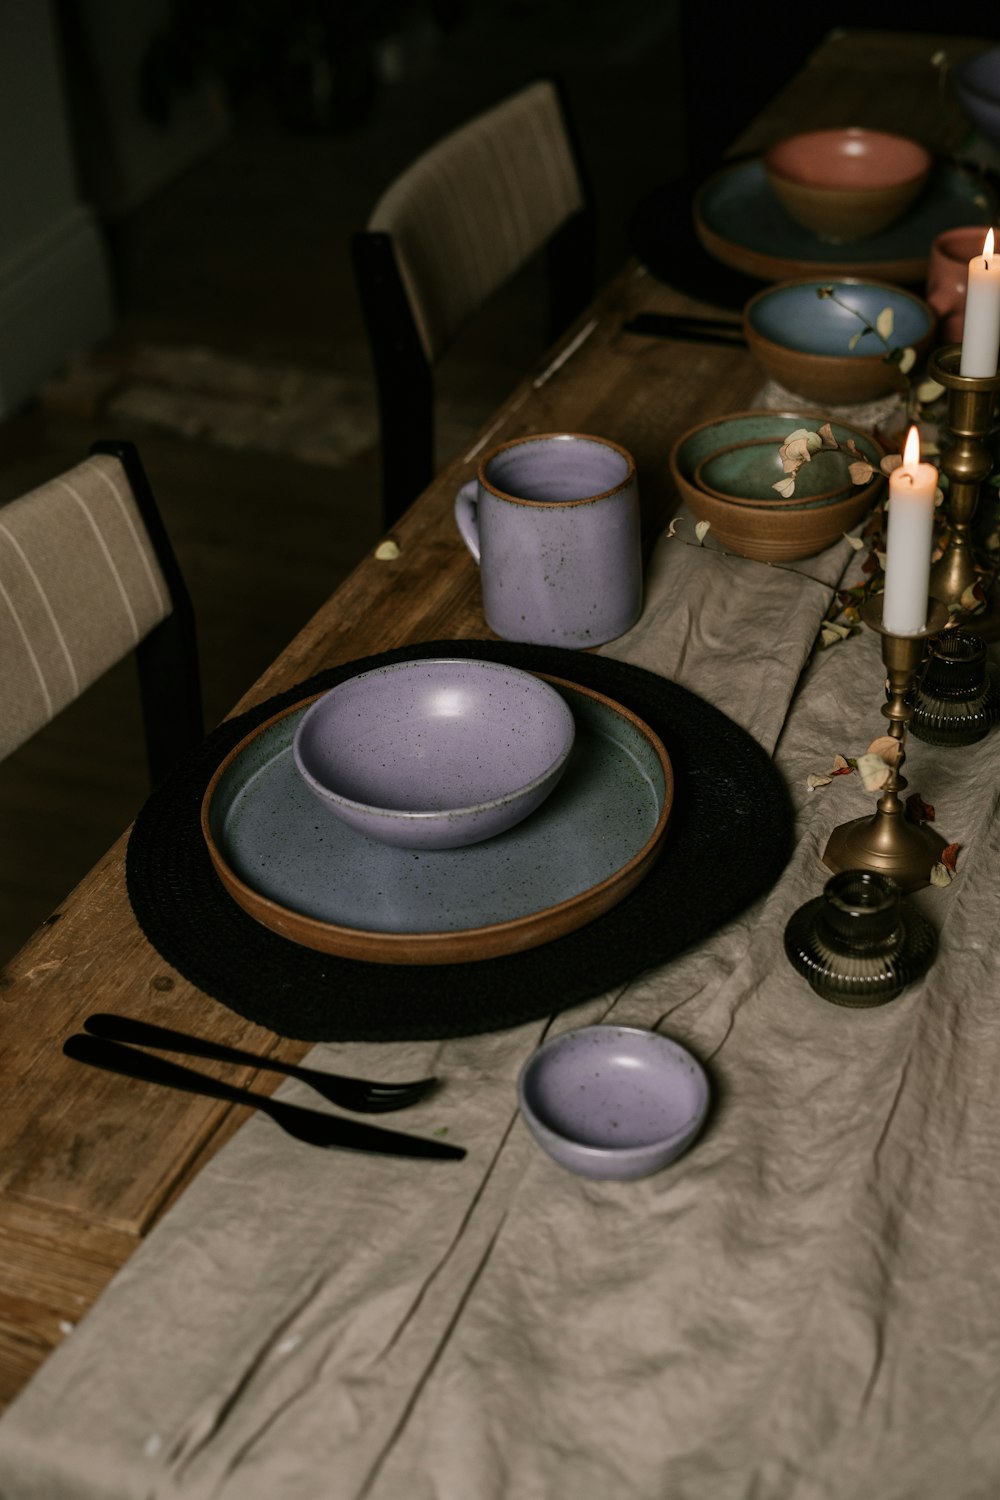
(846, 183)
(770, 533)
(746, 473)
(818, 346)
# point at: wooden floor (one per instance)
(245, 257)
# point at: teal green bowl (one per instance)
(758, 529)
(746, 473)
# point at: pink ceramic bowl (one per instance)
(847, 183)
(948, 276)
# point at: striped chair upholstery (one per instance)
(446, 235)
(87, 575)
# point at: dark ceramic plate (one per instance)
(740, 222)
(326, 886)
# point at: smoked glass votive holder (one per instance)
(957, 701)
(858, 944)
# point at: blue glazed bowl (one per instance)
(804, 341)
(435, 754)
(977, 84)
(613, 1102)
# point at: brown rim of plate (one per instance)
(784, 268)
(473, 943)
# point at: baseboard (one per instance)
(55, 301)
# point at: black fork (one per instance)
(363, 1095)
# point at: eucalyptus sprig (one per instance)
(903, 358)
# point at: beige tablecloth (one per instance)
(804, 1307)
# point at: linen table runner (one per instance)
(804, 1307)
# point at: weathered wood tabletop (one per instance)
(87, 1164)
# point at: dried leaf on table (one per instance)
(949, 856)
(941, 875)
(917, 810)
(928, 391)
(701, 531)
(387, 551)
(855, 542)
(841, 767)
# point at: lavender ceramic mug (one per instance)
(553, 522)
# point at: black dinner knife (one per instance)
(315, 1128)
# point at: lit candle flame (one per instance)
(988, 244)
(911, 452)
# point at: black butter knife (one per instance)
(309, 1125)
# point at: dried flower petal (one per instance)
(785, 487)
(917, 810)
(891, 461)
(855, 338)
(841, 766)
(860, 472)
(907, 360)
(826, 436)
(387, 551)
(949, 856)
(873, 771)
(701, 530)
(855, 542)
(813, 781)
(887, 747)
(940, 875)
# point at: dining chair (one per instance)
(88, 574)
(450, 231)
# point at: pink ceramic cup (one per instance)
(947, 277)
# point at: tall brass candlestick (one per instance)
(887, 841)
(967, 463)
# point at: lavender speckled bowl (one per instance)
(435, 754)
(614, 1102)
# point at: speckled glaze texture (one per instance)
(613, 1102)
(326, 885)
(435, 754)
(553, 522)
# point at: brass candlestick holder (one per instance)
(967, 463)
(887, 841)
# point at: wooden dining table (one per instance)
(90, 1164)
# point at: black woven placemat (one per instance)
(729, 837)
(663, 236)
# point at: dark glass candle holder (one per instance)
(957, 702)
(859, 944)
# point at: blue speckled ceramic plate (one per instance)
(740, 221)
(303, 873)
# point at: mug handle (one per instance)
(466, 514)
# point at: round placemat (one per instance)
(663, 237)
(729, 837)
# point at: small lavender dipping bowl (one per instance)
(435, 754)
(613, 1102)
